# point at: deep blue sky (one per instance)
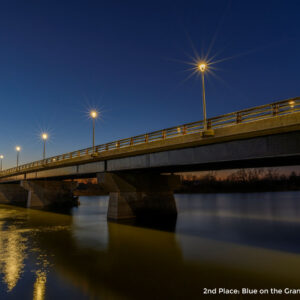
(59, 58)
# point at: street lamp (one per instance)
(202, 68)
(1, 157)
(18, 149)
(94, 115)
(44, 138)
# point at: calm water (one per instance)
(219, 240)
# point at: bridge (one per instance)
(136, 171)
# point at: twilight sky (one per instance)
(58, 59)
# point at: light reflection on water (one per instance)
(228, 240)
(12, 255)
(39, 285)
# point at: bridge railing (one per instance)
(243, 116)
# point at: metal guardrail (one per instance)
(243, 116)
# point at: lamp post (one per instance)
(1, 157)
(94, 115)
(18, 149)
(202, 67)
(44, 138)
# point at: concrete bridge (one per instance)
(134, 170)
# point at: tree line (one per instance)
(242, 180)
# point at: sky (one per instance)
(131, 61)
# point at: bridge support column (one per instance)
(13, 193)
(42, 193)
(140, 195)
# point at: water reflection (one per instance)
(218, 240)
(20, 255)
(89, 224)
(277, 206)
(268, 220)
(12, 255)
(39, 285)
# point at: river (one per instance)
(248, 240)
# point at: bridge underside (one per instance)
(39, 194)
(141, 195)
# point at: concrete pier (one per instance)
(13, 193)
(139, 194)
(42, 193)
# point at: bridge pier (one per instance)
(42, 193)
(13, 193)
(138, 195)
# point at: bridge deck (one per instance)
(274, 118)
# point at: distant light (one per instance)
(94, 114)
(202, 67)
(44, 136)
(292, 103)
(18, 148)
(1, 156)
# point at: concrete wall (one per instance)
(43, 193)
(141, 195)
(13, 194)
(76, 170)
(260, 150)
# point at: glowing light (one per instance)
(292, 103)
(44, 136)
(1, 156)
(94, 114)
(202, 67)
(18, 148)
